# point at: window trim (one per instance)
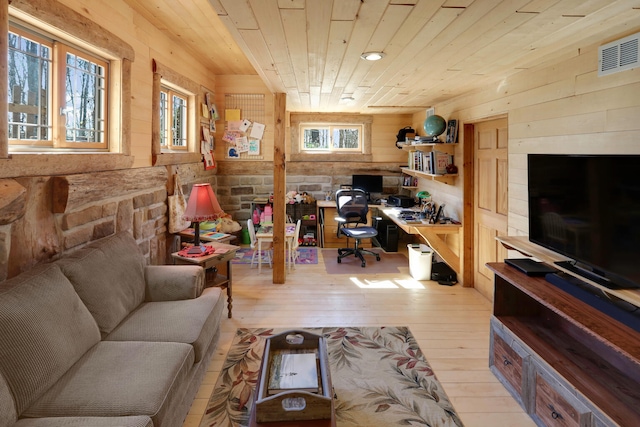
(89, 35)
(165, 76)
(297, 119)
(332, 127)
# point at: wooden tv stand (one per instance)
(565, 362)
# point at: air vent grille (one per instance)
(620, 55)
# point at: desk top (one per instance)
(332, 204)
(413, 227)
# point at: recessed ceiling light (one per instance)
(372, 56)
(347, 98)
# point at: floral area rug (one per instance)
(308, 255)
(380, 378)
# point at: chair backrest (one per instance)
(252, 233)
(352, 205)
(296, 236)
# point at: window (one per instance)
(330, 138)
(173, 119)
(175, 137)
(40, 67)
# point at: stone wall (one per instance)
(235, 193)
(134, 200)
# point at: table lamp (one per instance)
(202, 206)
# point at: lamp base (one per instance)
(196, 249)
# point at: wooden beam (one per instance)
(279, 188)
(12, 201)
(73, 191)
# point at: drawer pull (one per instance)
(555, 415)
(507, 362)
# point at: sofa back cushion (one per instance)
(44, 329)
(8, 414)
(109, 277)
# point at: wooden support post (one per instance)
(279, 189)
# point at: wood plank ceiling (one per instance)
(434, 49)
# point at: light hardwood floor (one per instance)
(451, 325)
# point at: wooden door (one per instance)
(491, 199)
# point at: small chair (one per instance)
(294, 245)
(254, 245)
(352, 211)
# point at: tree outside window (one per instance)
(173, 119)
(331, 138)
(82, 84)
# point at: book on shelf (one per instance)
(291, 371)
(441, 161)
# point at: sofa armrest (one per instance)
(173, 282)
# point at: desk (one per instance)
(265, 234)
(431, 233)
(210, 263)
(326, 212)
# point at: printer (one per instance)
(401, 201)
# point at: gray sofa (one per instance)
(97, 338)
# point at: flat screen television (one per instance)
(368, 183)
(587, 208)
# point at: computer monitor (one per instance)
(368, 183)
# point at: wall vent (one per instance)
(620, 55)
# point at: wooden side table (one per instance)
(210, 263)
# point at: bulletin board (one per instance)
(244, 125)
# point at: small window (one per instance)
(330, 138)
(29, 69)
(38, 68)
(173, 119)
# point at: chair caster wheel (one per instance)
(378, 258)
(363, 264)
(339, 260)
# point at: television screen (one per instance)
(368, 183)
(587, 208)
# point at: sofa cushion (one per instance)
(187, 321)
(120, 379)
(44, 329)
(109, 277)
(134, 421)
(8, 414)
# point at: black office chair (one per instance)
(352, 211)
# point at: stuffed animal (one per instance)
(307, 198)
(227, 225)
(290, 197)
(298, 198)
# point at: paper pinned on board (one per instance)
(257, 130)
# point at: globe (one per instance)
(434, 125)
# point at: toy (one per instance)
(290, 197)
(307, 198)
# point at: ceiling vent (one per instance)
(619, 55)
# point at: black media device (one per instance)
(368, 183)
(530, 267)
(587, 208)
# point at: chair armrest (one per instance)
(173, 282)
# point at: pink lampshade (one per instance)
(202, 204)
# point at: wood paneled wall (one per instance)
(559, 107)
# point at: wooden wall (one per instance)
(33, 230)
(558, 107)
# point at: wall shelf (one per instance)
(447, 179)
(433, 146)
